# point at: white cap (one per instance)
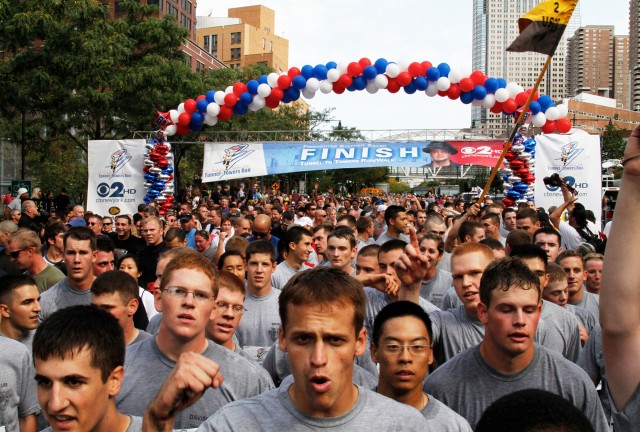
(22, 191)
(381, 208)
(304, 221)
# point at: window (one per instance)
(187, 60)
(271, 46)
(205, 43)
(214, 53)
(199, 66)
(235, 53)
(120, 9)
(236, 37)
(264, 43)
(155, 3)
(214, 41)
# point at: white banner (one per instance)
(575, 157)
(116, 179)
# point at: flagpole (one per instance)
(507, 144)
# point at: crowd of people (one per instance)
(243, 311)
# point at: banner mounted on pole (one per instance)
(233, 161)
(115, 178)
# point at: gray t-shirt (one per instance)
(585, 317)
(451, 299)
(154, 324)
(283, 273)
(26, 341)
(258, 328)
(434, 289)
(142, 335)
(60, 296)
(591, 302)
(592, 361)
(134, 426)
(441, 418)
(274, 411)
(467, 385)
(385, 237)
(454, 332)
(146, 368)
(627, 420)
(18, 396)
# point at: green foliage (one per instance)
(396, 187)
(613, 142)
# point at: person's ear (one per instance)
(282, 342)
(482, 312)
(361, 342)
(115, 381)
(133, 306)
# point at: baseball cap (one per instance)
(381, 208)
(22, 191)
(186, 217)
(76, 221)
(235, 214)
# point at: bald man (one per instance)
(262, 231)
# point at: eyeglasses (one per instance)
(107, 223)
(413, 349)
(313, 208)
(260, 234)
(93, 223)
(198, 296)
(15, 254)
(321, 215)
(223, 307)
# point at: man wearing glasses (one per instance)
(187, 299)
(107, 225)
(262, 231)
(95, 224)
(25, 250)
(401, 345)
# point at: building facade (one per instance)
(634, 54)
(244, 38)
(593, 113)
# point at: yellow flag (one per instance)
(542, 27)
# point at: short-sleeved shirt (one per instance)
(385, 237)
(60, 296)
(592, 361)
(441, 418)
(283, 273)
(434, 289)
(590, 302)
(134, 426)
(48, 278)
(258, 328)
(627, 420)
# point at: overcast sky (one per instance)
(413, 30)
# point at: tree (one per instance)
(613, 142)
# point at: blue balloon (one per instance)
(307, 71)
(410, 88)
(466, 97)
(505, 178)
(381, 65)
(167, 170)
(240, 109)
(159, 186)
(150, 177)
(320, 72)
(444, 69)
(299, 82)
(514, 195)
(433, 73)
(479, 92)
(209, 96)
(421, 83)
(252, 87)
(246, 98)
(293, 93)
(530, 142)
(201, 105)
(195, 127)
(147, 199)
(285, 98)
(535, 107)
(331, 65)
(502, 83)
(370, 72)
(197, 119)
(545, 102)
(263, 79)
(491, 84)
(360, 83)
(352, 87)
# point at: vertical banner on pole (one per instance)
(576, 157)
(115, 176)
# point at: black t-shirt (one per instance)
(132, 244)
(149, 259)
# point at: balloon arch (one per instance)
(475, 88)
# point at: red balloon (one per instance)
(523, 172)
(510, 156)
(364, 62)
(521, 98)
(190, 106)
(516, 164)
(284, 82)
(529, 179)
(497, 108)
(425, 66)
(226, 112)
(563, 125)
(146, 169)
(182, 129)
(230, 99)
(338, 88)
(442, 93)
(404, 78)
(415, 70)
(277, 93)
(354, 69)
(508, 202)
(345, 80)
(393, 86)
(184, 119)
(293, 72)
(272, 102)
(535, 96)
(454, 92)
(509, 106)
(549, 127)
(466, 84)
(239, 88)
(199, 98)
(478, 77)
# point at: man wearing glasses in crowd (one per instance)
(262, 231)
(107, 225)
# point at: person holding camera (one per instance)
(578, 230)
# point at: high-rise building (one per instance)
(184, 11)
(495, 26)
(621, 71)
(246, 37)
(634, 54)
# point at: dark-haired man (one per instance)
(342, 248)
(123, 238)
(527, 219)
(19, 308)
(549, 240)
(395, 217)
(507, 359)
(573, 266)
(298, 247)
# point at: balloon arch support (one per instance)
(476, 88)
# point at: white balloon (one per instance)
(173, 115)
(404, 65)
(333, 75)
(381, 81)
(264, 90)
(171, 130)
(342, 67)
(563, 110)
(219, 97)
(326, 87)
(393, 70)
(520, 89)
(502, 95)
(210, 120)
(489, 101)
(313, 84)
(181, 108)
(272, 79)
(443, 84)
(455, 76)
(213, 109)
(228, 90)
(552, 113)
(465, 72)
(308, 94)
(432, 90)
(258, 103)
(539, 119)
(512, 88)
(372, 88)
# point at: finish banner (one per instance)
(116, 178)
(223, 161)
